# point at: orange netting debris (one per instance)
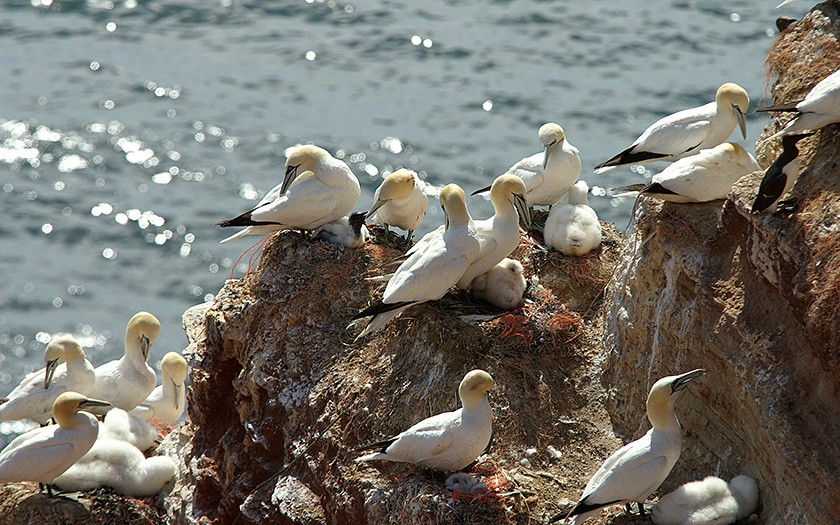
(513, 325)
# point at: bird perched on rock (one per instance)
(167, 401)
(573, 228)
(637, 469)
(42, 454)
(448, 441)
(317, 189)
(688, 131)
(819, 108)
(399, 201)
(707, 501)
(349, 231)
(780, 176)
(502, 285)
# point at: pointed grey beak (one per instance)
(179, 389)
(742, 120)
(145, 345)
(482, 190)
(522, 208)
(682, 380)
(50, 372)
(548, 153)
(288, 178)
(376, 205)
(94, 403)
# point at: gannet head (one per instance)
(474, 387)
(510, 188)
(61, 348)
(68, 404)
(454, 205)
(143, 330)
(173, 367)
(733, 97)
(395, 186)
(660, 401)
(551, 135)
(578, 193)
(300, 158)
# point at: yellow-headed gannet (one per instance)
(126, 382)
(637, 469)
(431, 271)
(67, 370)
(317, 189)
(502, 285)
(448, 441)
(348, 231)
(399, 201)
(42, 454)
(688, 131)
(117, 464)
(121, 425)
(573, 227)
(167, 401)
(780, 176)
(710, 501)
(819, 108)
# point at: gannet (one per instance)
(167, 401)
(573, 227)
(430, 272)
(399, 201)
(67, 370)
(710, 501)
(819, 108)
(686, 132)
(44, 453)
(117, 464)
(499, 234)
(780, 176)
(786, 2)
(706, 176)
(637, 469)
(126, 382)
(317, 189)
(121, 425)
(348, 231)
(502, 285)
(448, 441)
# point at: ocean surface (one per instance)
(128, 128)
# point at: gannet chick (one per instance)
(819, 108)
(42, 454)
(347, 231)
(67, 370)
(637, 469)
(119, 465)
(123, 426)
(499, 235)
(448, 441)
(126, 382)
(710, 501)
(502, 285)
(430, 272)
(688, 131)
(780, 176)
(573, 228)
(317, 189)
(706, 176)
(399, 201)
(167, 401)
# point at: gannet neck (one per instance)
(474, 387)
(140, 334)
(578, 193)
(502, 193)
(62, 349)
(66, 410)
(660, 401)
(454, 205)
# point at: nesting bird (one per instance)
(448, 441)
(780, 176)
(349, 231)
(317, 189)
(167, 401)
(573, 228)
(708, 501)
(126, 382)
(502, 285)
(399, 201)
(819, 108)
(688, 131)
(67, 370)
(121, 425)
(637, 469)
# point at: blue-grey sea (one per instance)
(129, 127)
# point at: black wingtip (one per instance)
(379, 308)
(626, 157)
(241, 220)
(780, 107)
(655, 187)
(380, 446)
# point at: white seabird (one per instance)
(399, 201)
(119, 465)
(348, 231)
(688, 131)
(706, 176)
(710, 501)
(431, 271)
(780, 176)
(502, 285)
(317, 189)
(167, 401)
(637, 469)
(573, 227)
(126, 382)
(44, 453)
(67, 370)
(448, 441)
(819, 108)
(121, 425)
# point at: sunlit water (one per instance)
(127, 128)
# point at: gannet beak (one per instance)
(94, 403)
(522, 208)
(178, 390)
(548, 153)
(482, 190)
(742, 120)
(376, 205)
(681, 381)
(288, 178)
(145, 345)
(49, 372)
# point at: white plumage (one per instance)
(399, 201)
(448, 441)
(167, 401)
(573, 227)
(349, 231)
(710, 501)
(502, 285)
(819, 108)
(121, 425)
